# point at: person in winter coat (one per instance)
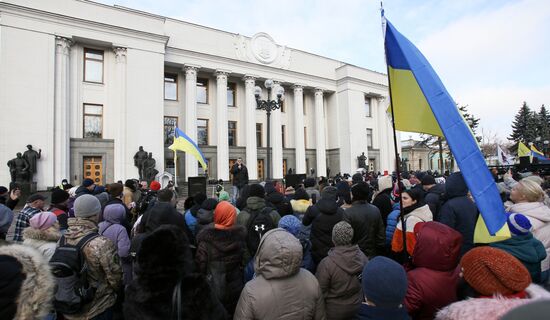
(240, 177)
(43, 233)
(527, 197)
(58, 205)
(164, 270)
(391, 223)
(87, 187)
(322, 217)
(496, 282)
(220, 253)
(382, 200)
(115, 197)
(277, 200)
(432, 283)
(434, 194)
(459, 211)
(112, 229)
(26, 283)
(291, 224)
(368, 227)
(415, 211)
(104, 270)
(34, 205)
(205, 215)
(384, 285)
(523, 246)
(6, 218)
(313, 192)
(343, 194)
(191, 214)
(300, 203)
(339, 274)
(281, 289)
(10, 198)
(256, 203)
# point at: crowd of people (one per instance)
(340, 248)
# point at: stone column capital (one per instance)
(221, 73)
(120, 54)
(63, 45)
(298, 87)
(318, 92)
(250, 78)
(191, 70)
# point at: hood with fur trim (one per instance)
(34, 298)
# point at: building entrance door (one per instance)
(93, 169)
(260, 169)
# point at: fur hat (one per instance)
(492, 271)
(87, 182)
(291, 224)
(155, 186)
(342, 234)
(59, 195)
(225, 215)
(86, 206)
(43, 220)
(257, 190)
(518, 224)
(384, 282)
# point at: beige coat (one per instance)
(45, 241)
(280, 290)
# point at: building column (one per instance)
(62, 142)
(121, 156)
(385, 136)
(250, 128)
(299, 129)
(276, 138)
(320, 134)
(191, 164)
(222, 127)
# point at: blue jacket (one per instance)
(392, 223)
(459, 212)
(367, 312)
(191, 221)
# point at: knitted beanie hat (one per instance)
(518, 224)
(384, 282)
(59, 195)
(43, 220)
(224, 196)
(86, 206)
(493, 271)
(342, 234)
(291, 224)
(224, 215)
(257, 190)
(87, 182)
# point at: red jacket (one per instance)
(433, 281)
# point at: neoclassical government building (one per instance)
(89, 83)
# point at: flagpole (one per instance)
(397, 160)
(175, 160)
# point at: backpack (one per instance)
(70, 271)
(258, 224)
(216, 276)
(146, 202)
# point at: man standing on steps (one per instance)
(240, 178)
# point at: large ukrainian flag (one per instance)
(422, 104)
(182, 142)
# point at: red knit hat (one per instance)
(490, 271)
(155, 186)
(224, 215)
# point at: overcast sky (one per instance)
(491, 54)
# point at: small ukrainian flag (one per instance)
(182, 142)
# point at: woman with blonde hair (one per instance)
(527, 197)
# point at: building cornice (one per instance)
(56, 18)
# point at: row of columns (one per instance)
(189, 113)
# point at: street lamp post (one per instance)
(268, 105)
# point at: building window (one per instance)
(232, 133)
(93, 121)
(202, 90)
(202, 131)
(170, 124)
(304, 108)
(231, 94)
(259, 135)
(282, 106)
(283, 129)
(368, 110)
(419, 164)
(305, 137)
(284, 167)
(170, 86)
(369, 138)
(93, 65)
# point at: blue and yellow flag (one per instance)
(537, 154)
(523, 150)
(422, 104)
(183, 143)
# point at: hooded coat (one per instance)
(539, 216)
(255, 204)
(45, 241)
(490, 308)
(322, 217)
(459, 212)
(111, 228)
(368, 227)
(205, 215)
(163, 259)
(225, 246)
(339, 278)
(281, 289)
(420, 214)
(434, 198)
(104, 270)
(527, 250)
(32, 300)
(278, 201)
(433, 282)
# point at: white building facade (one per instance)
(89, 83)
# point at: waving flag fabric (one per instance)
(537, 154)
(183, 143)
(523, 150)
(422, 104)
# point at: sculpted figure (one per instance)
(139, 158)
(19, 169)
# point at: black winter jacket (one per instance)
(383, 202)
(322, 216)
(434, 199)
(368, 227)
